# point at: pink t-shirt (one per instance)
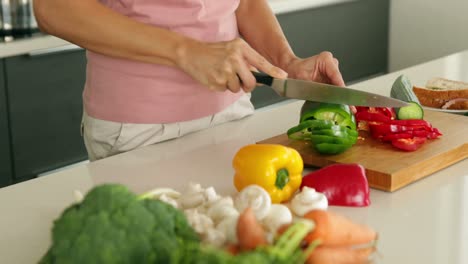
(128, 91)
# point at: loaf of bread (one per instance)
(443, 93)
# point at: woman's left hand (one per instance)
(322, 68)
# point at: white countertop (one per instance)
(425, 222)
(45, 42)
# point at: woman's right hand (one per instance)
(224, 65)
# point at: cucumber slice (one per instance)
(412, 111)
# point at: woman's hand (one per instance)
(224, 65)
(322, 68)
(319, 68)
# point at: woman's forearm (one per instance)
(95, 27)
(259, 27)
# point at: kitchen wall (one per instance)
(421, 30)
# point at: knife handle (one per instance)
(263, 78)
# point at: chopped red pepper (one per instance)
(386, 111)
(382, 129)
(435, 133)
(368, 116)
(420, 133)
(409, 144)
(391, 137)
(407, 135)
(411, 122)
(342, 184)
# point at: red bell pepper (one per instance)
(384, 129)
(409, 144)
(381, 122)
(435, 133)
(391, 137)
(386, 111)
(342, 184)
(411, 122)
(368, 116)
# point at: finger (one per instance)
(217, 88)
(332, 70)
(259, 62)
(334, 74)
(234, 84)
(219, 82)
(337, 63)
(247, 79)
(252, 68)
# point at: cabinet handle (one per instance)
(49, 51)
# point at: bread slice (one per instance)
(443, 93)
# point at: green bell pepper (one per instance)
(317, 139)
(331, 128)
(340, 114)
(329, 148)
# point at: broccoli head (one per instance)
(112, 225)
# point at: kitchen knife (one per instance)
(320, 92)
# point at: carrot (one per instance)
(340, 255)
(249, 231)
(336, 230)
(232, 249)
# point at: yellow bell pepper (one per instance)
(276, 168)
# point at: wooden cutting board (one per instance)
(388, 168)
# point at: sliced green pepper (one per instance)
(335, 132)
(316, 126)
(303, 130)
(331, 132)
(317, 139)
(331, 128)
(339, 114)
(330, 148)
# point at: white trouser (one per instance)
(106, 138)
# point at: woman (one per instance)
(158, 69)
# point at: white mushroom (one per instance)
(255, 197)
(277, 216)
(228, 227)
(307, 200)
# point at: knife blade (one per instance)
(320, 92)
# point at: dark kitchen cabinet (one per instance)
(45, 109)
(355, 32)
(6, 177)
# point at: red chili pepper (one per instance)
(409, 144)
(342, 184)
